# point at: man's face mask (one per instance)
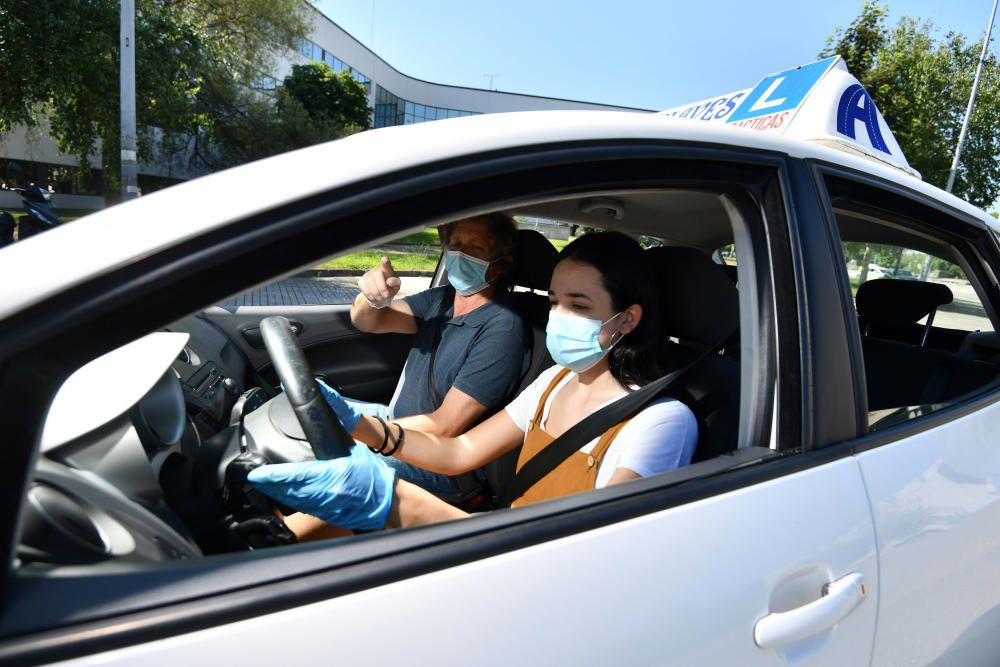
(466, 273)
(574, 341)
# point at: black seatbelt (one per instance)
(466, 485)
(440, 317)
(591, 427)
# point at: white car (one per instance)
(843, 509)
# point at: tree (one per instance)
(328, 98)
(311, 106)
(196, 62)
(921, 84)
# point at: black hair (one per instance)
(503, 231)
(620, 261)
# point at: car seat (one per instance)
(699, 310)
(536, 258)
(901, 368)
(890, 309)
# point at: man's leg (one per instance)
(436, 483)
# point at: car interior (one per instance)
(914, 366)
(160, 474)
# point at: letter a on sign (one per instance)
(855, 105)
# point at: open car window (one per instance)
(152, 485)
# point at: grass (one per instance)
(427, 237)
(366, 259)
(403, 261)
(66, 214)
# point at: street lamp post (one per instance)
(972, 100)
(130, 164)
(965, 123)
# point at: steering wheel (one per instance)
(326, 435)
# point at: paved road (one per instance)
(312, 292)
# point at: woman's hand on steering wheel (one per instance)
(352, 491)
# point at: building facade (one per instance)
(395, 99)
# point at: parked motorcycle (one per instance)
(39, 215)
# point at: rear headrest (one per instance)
(890, 302)
(699, 301)
(535, 259)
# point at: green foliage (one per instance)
(366, 259)
(328, 98)
(429, 236)
(921, 84)
(196, 62)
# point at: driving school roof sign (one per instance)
(820, 102)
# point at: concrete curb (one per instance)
(338, 273)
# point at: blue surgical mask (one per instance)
(573, 341)
(466, 274)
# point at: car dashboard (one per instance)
(143, 457)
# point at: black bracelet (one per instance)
(385, 436)
(399, 441)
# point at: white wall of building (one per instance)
(38, 146)
(334, 39)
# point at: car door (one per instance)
(764, 556)
(931, 468)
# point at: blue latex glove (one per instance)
(346, 413)
(352, 491)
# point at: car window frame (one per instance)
(915, 210)
(410, 552)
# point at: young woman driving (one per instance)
(600, 333)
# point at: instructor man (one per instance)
(469, 349)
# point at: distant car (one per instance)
(844, 503)
(899, 274)
(875, 272)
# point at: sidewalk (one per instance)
(316, 291)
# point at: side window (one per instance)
(965, 313)
(414, 257)
(725, 256)
(927, 339)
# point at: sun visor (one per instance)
(818, 102)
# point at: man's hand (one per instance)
(380, 285)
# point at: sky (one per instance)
(647, 54)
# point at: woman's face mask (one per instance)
(574, 341)
(466, 273)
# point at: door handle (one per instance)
(839, 599)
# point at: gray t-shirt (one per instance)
(482, 353)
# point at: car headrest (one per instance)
(699, 301)
(890, 302)
(536, 257)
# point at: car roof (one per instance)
(116, 236)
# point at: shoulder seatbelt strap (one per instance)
(440, 316)
(592, 426)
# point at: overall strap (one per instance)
(537, 420)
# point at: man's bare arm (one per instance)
(457, 413)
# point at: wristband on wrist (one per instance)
(385, 436)
(400, 437)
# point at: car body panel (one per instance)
(935, 499)
(166, 218)
(643, 594)
(684, 585)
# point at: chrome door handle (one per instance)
(839, 599)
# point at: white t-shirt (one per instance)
(660, 438)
